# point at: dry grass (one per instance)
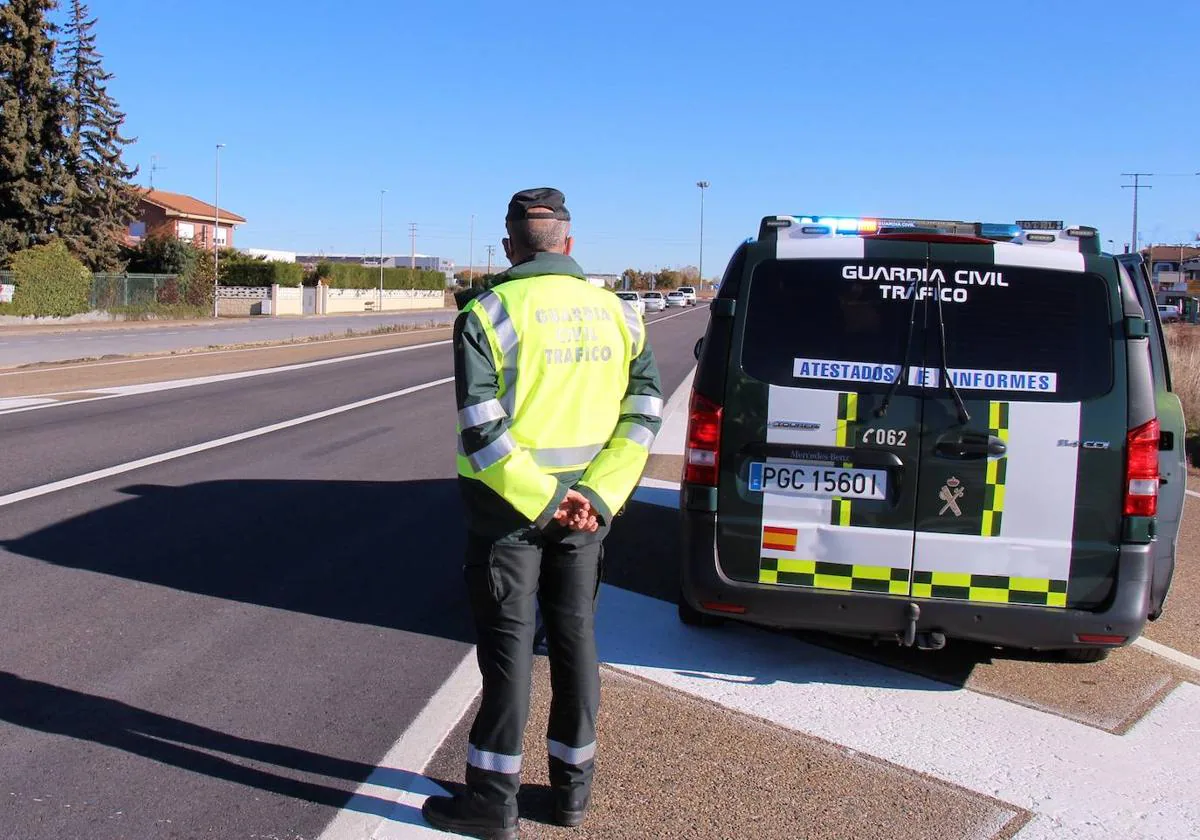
(1183, 346)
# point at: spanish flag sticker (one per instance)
(779, 539)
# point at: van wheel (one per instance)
(1089, 654)
(694, 618)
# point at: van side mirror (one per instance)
(696, 349)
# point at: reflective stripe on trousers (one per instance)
(493, 761)
(570, 755)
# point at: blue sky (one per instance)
(992, 111)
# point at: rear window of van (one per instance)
(1045, 335)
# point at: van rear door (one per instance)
(817, 490)
(1021, 502)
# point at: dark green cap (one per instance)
(538, 203)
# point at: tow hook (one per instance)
(912, 614)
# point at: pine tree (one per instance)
(34, 182)
(103, 201)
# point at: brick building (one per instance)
(174, 214)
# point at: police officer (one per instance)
(559, 401)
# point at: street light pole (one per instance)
(703, 185)
(216, 228)
(380, 304)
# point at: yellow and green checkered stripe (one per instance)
(995, 589)
(847, 415)
(819, 575)
(997, 473)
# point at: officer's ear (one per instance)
(567, 247)
(508, 252)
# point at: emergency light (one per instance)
(1038, 233)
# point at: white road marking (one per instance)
(1079, 781)
(400, 770)
(672, 437)
(1193, 494)
(130, 466)
(152, 387)
(1176, 656)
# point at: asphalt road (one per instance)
(21, 346)
(225, 644)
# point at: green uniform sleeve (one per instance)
(484, 438)
(614, 473)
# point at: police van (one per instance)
(915, 430)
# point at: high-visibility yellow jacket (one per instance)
(557, 388)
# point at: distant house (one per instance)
(1174, 268)
(163, 213)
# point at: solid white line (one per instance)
(159, 358)
(107, 472)
(117, 391)
(1193, 494)
(677, 315)
(1178, 657)
(672, 437)
(399, 771)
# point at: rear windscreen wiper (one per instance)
(903, 372)
(963, 416)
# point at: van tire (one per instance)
(1083, 655)
(692, 617)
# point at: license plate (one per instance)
(813, 480)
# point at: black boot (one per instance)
(569, 807)
(470, 815)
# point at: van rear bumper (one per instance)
(884, 616)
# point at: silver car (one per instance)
(654, 301)
(676, 299)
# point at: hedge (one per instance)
(50, 282)
(349, 276)
(262, 273)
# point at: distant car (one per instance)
(688, 292)
(654, 301)
(1168, 314)
(676, 299)
(633, 300)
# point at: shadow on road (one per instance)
(56, 710)
(387, 554)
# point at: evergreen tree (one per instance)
(33, 179)
(102, 202)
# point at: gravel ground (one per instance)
(671, 766)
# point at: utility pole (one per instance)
(1136, 186)
(412, 246)
(490, 250)
(471, 253)
(216, 228)
(703, 185)
(380, 304)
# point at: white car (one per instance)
(633, 300)
(676, 298)
(654, 301)
(1168, 314)
(689, 292)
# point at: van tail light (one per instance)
(1141, 470)
(719, 606)
(703, 441)
(1101, 639)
